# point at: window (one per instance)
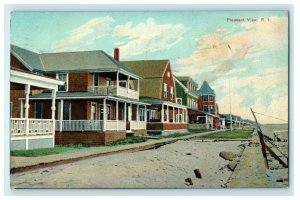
(205, 98)
(101, 111)
(123, 84)
(171, 93)
(93, 111)
(66, 110)
(211, 98)
(63, 77)
(96, 79)
(168, 74)
(142, 114)
(179, 100)
(108, 113)
(38, 110)
(165, 90)
(211, 108)
(205, 108)
(108, 81)
(179, 118)
(151, 115)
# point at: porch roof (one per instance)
(158, 101)
(82, 95)
(21, 77)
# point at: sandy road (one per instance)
(165, 167)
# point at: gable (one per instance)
(15, 63)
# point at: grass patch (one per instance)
(130, 140)
(174, 135)
(47, 151)
(198, 130)
(235, 134)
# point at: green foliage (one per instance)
(129, 140)
(235, 134)
(47, 151)
(174, 135)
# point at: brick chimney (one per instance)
(116, 54)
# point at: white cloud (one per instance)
(218, 52)
(85, 34)
(149, 36)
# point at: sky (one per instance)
(242, 54)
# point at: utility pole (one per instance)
(230, 104)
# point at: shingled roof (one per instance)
(205, 89)
(69, 61)
(148, 68)
(152, 72)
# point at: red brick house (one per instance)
(164, 115)
(207, 105)
(99, 102)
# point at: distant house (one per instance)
(164, 115)
(28, 128)
(207, 104)
(99, 101)
(186, 88)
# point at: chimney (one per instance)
(116, 54)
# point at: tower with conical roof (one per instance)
(207, 99)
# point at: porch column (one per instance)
(186, 116)
(61, 114)
(117, 114)
(125, 112)
(27, 91)
(168, 118)
(145, 114)
(173, 115)
(53, 113)
(104, 114)
(22, 109)
(130, 112)
(138, 115)
(162, 114)
(117, 82)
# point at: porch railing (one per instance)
(115, 125)
(79, 125)
(114, 90)
(35, 127)
(137, 125)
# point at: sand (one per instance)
(165, 167)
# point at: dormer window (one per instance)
(63, 77)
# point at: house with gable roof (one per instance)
(98, 102)
(157, 88)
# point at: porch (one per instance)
(26, 131)
(115, 84)
(100, 115)
(166, 117)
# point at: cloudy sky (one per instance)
(223, 48)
